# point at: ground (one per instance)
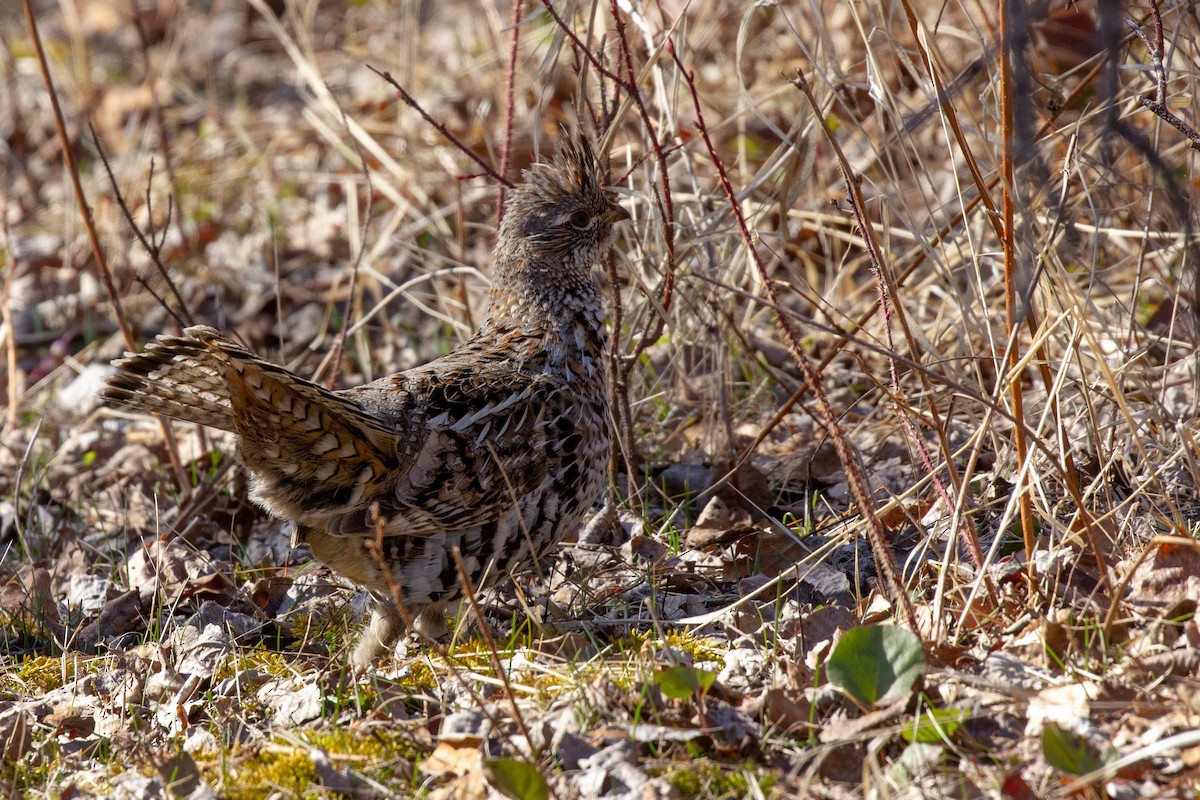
(905, 366)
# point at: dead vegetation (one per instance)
(1001, 460)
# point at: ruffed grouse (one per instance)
(496, 449)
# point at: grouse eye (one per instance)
(580, 220)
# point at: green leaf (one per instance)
(876, 664)
(934, 725)
(1067, 752)
(518, 780)
(683, 682)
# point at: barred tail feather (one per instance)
(177, 376)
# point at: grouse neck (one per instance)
(525, 292)
(565, 317)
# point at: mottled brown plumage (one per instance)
(496, 449)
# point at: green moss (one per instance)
(271, 662)
(709, 781)
(287, 766)
(376, 748)
(419, 677)
(30, 774)
(287, 771)
(698, 647)
(350, 694)
(425, 672)
(35, 676)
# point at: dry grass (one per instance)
(1024, 414)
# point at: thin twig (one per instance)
(469, 592)
(347, 313)
(886, 288)
(183, 317)
(376, 549)
(8, 331)
(85, 211)
(665, 203)
(68, 154)
(160, 124)
(884, 558)
(912, 261)
(510, 80)
(439, 127)
(660, 156)
(1159, 104)
(583, 49)
(1013, 312)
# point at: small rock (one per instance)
(465, 725)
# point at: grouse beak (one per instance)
(616, 214)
